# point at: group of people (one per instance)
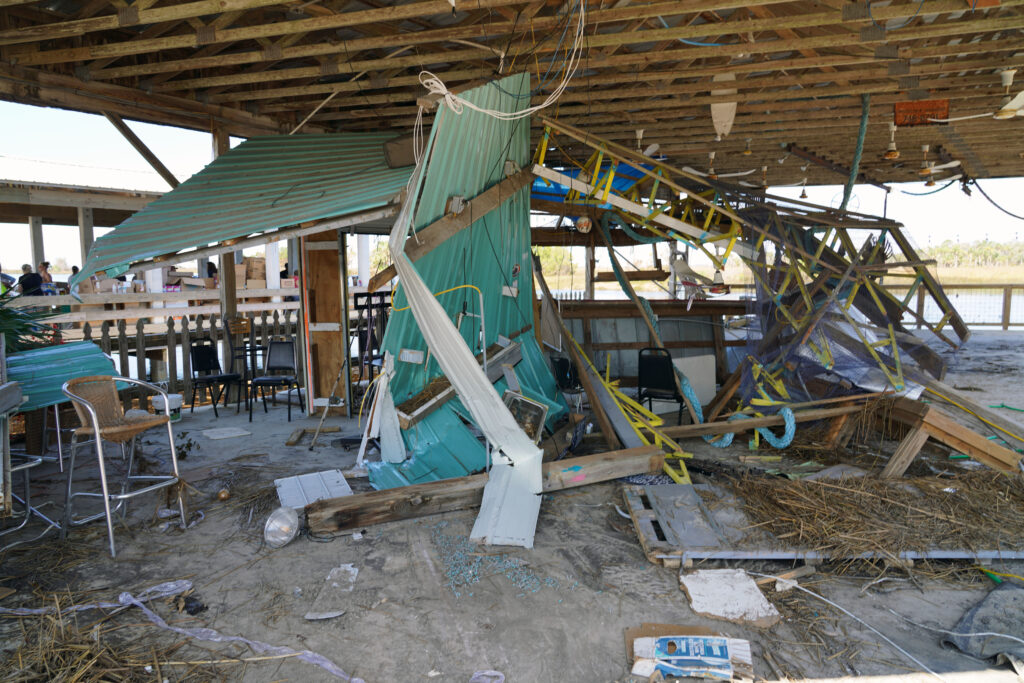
(34, 283)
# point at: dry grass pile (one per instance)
(55, 648)
(847, 517)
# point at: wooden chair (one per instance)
(103, 418)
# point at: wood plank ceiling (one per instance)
(260, 66)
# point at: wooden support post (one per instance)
(718, 338)
(141, 148)
(581, 367)
(346, 313)
(1007, 300)
(905, 452)
(35, 230)
(589, 270)
(419, 500)
(85, 234)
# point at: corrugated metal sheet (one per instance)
(469, 156)
(42, 372)
(263, 184)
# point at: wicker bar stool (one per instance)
(103, 419)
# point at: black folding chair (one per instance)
(207, 376)
(656, 379)
(280, 370)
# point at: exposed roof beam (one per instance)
(142, 149)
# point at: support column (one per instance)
(201, 266)
(85, 235)
(363, 259)
(273, 260)
(35, 229)
(588, 274)
(294, 258)
(228, 285)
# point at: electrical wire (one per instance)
(436, 86)
(1003, 574)
(920, 4)
(853, 616)
(993, 203)
(695, 43)
(924, 194)
(981, 634)
(451, 289)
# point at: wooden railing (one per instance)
(129, 328)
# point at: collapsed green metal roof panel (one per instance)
(493, 255)
(42, 372)
(263, 184)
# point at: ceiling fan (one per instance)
(1011, 107)
(711, 170)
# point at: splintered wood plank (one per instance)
(430, 498)
(905, 452)
(948, 431)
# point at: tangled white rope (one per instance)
(436, 86)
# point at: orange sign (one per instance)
(919, 113)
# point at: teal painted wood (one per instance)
(42, 372)
(263, 184)
(493, 254)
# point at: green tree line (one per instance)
(951, 254)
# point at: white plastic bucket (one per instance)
(174, 400)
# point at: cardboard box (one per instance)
(106, 285)
(255, 268)
(87, 286)
(255, 284)
(240, 275)
(138, 286)
(181, 284)
(288, 283)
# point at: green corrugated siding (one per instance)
(42, 372)
(263, 184)
(468, 157)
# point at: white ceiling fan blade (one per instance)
(691, 169)
(960, 118)
(737, 174)
(950, 164)
(958, 176)
(1012, 108)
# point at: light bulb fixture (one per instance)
(803, 192)
(718, 285)
(711, 166)
(930, 182)
(639, 138)
(764, 176)
(1006, 78)
(584, 224)
(281, 527)
(746, 150)
(891, 153)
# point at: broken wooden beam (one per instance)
(430, 236)
(948, 431)
(447, 495)
(736, 426)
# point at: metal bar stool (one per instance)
(103, 419)
(25, 467)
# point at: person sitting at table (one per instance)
(47, 287)
(29, 282)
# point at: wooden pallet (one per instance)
(645, 521)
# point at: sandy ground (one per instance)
(427, 605)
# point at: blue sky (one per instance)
(58, 146)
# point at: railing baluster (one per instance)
(186, 358)
(122, 357)
(172, 357)
(105, 337)
(86, 332)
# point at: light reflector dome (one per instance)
(281, 528)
